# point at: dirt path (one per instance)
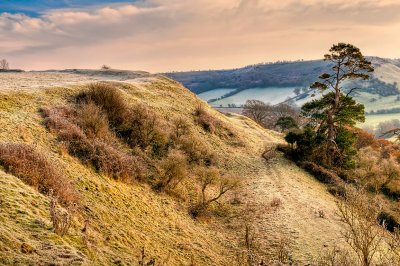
(306, 215)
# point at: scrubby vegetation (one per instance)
(99, 152)
(131, 142)
(346, 159)
(36, 170)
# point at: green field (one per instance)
(272, 95)
(374, 120)
(213, 94)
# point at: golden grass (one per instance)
(124, 218)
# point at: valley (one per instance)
(380, 95)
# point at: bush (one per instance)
(305, 144)
(208, 178)
(171, 170)
(322, 174)
(270, 153)
(389, 221)
(364, 139)
(108, 98)
(286, 122)
(61, 219)
(143, 128)
(180, 126)
(337, 190)
(204, 119)
(197, 151)
(115, 163)
(102, 156)
(36, 170)
(93, 121)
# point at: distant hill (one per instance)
(279, 74)
(286, 75)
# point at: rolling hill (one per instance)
(123, 217)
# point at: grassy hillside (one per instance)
(279, 200)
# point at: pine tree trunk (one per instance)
(331, 127)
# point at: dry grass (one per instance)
(140, 217)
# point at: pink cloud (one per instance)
(160, 35)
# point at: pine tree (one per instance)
(337, 109)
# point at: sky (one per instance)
(176, 35)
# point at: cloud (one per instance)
(160, 35)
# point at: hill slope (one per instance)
(123, 218)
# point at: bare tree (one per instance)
(211, 177)
(4, 64)
(267, 115)
(362, 230)
(256, 110)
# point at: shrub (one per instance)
(291, 138)
(337, 190)
(93, 121)
(306, 144)
(389, 221)
(276, 203)
(102, 156)
(108, 98)
(270, 153)
(322, 174)
(204, 119)
(181, 127)
(61, 219)
(334, 257)
(209, 177)
(362, 231)
(171, 170)
(36, 170)
(286, 122)
(115, 163)
(197, 151)
(364, 139)
(143, 128)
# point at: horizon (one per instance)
(173, 35)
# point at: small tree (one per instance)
(297, 91)
(348, 114)
(256, 110)
(171, 170)
(285, 123)
(348, 63)
(4, 64)
(211, 177)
